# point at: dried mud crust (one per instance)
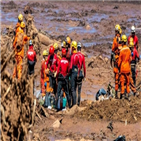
(113, 110)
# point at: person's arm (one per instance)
(119, 61)
(84, 66)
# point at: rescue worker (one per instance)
(132, 86)
(52, 63)
(135, 57)
(74, 70)
(134, 38)
(43, 74)
(62, 75)
(81, 76)
(20, 19)
(63, 44)
(115, 55)
(124, 65)
(68, 42)
(31, 56)
(19, 42)
(56, 51)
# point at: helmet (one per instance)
(22, 25)
(45, 53)
(68, 40)
(79, 45)
(117, 27)
(131, 44)
(133, 29)
(74, 44)
(20, 17)
(30, 42)
(120, 31)
(124, 38)
(51, 50)
(131, 40)
(63, 51)
(63, 44)
(55, 46)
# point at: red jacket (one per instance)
(82, 62)
(52, 63)
(31, 54)
(63, 67)
(75, 61)
(135, 40)
(134, 55)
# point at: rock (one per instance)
(56, 124)
(106, 59)
(88, 27)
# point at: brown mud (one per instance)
(91, 23)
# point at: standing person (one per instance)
(135, 57)
(52, 63)
(31, 56)
(81, 76)
(19, 42)
(74, 70)
(134, 38)
(43, 74)
(20, 19)
(124, 65)
(62, 75)
(115, 55)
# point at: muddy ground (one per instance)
(91, 23)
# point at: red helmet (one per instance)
(63, 51)
(51, 50)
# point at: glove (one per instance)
(55, 74)
(132, 53)
(45, 84)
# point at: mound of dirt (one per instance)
(16, 102)
(113, 110)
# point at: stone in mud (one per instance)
(56, 124)
(88, 27)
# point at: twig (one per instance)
(2, 134)
(3, 115)
(46, 114)
(38, 115)
(6, 93)
(33, 114)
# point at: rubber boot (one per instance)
(121, 95)
(116, 95)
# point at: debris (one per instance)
(56, 124)
(110, 126)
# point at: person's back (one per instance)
(124, 59)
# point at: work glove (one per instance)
(45, 84)
(55, 74)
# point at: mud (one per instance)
(91, 23)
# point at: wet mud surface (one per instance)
(91, 23)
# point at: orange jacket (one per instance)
(21, 52)
(124, 60)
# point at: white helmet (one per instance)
(79, 45)
(133, 29)
(30, 42)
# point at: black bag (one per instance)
(120, 138)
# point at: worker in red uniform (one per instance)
(135, 58)
(124, 65)
(115, 55)
(31, 58)
(74, 70)
(133, 38)
(52, 63)
(62, 76)
(44, 77)
(81, 76)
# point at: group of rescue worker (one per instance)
(60, 71)
(125, 55)
(61, 68)
(63, 71)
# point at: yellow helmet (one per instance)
(68, 40)
(63, 44)
(45, 53)
(124, 38)
(22, 25)
(120, 31)
(74, 44)
(55, 46)
(131, 44)
(131, 40)
(20, 17)
(117, 27)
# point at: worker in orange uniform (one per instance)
(44, 77)
(18, 27)
(115, 55)
(124, 65)
(19, 42)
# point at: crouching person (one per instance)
(62, 77)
